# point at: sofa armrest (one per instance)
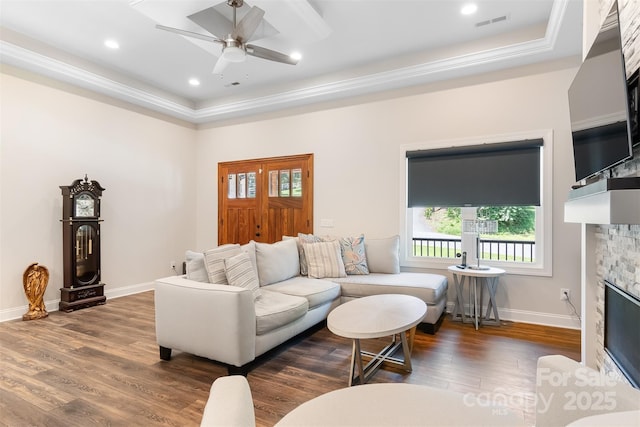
(209, 320)
(567, 391)
(230, 403)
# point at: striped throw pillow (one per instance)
(324, 259)
(240, 272)
(214, 262)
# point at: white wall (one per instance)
(51, 137)
(357, 172)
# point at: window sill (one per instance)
(516, 268)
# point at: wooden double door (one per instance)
(265, 199)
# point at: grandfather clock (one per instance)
(81, 245)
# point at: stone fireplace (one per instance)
(610, 228)
(617, 258)
(610, 250)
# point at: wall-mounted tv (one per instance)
(599, 105)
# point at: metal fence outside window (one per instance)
(490, 249)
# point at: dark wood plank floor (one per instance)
(100, 366)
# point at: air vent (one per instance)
(491, 21)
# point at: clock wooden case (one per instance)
(81, 245)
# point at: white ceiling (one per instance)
(349, 48)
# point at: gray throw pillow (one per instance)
(302, 239)
(195, 266)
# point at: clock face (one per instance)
(85, 206)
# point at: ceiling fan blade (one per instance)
(271, 55)
(190, 34)
(221, 64)
(212, 21)
(248, 25)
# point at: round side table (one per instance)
(477, 278)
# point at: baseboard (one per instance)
(537, 318)
(523, 316)
(123, 291)
(52, 305)
(533, 317)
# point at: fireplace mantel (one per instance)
(610, 201)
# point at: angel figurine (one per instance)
(34, 281)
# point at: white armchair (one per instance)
(230, 404)
(568, 392)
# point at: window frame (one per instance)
(544, 213)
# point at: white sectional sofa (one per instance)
(235, 302)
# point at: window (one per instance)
(504, 179)
(438, 233)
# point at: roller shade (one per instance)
(504, 174)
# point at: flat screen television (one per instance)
(599, 105)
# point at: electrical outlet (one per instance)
(173, 265)
(565, 294)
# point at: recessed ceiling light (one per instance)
(111, 44)
(469, 9)
(296, 56)
(194, 82)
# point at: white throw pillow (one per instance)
(324, 259)
(277, 261)
(195, 266)
(250, 249)
(240, 272)
(214, 262)
(383, 255)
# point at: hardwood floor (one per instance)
(100, 366)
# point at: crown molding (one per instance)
(20, 57)
(521, 53)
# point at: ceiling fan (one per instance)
(235, 45)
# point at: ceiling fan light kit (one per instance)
(234, 45)
(233, 54)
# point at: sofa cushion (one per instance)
(240, 272)
(324, 259)
(195, 266)
(316, 291)
(430, 288)
(214, 262)
(383, 255)
(353, 255)
(275, 309)
(277, 261)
